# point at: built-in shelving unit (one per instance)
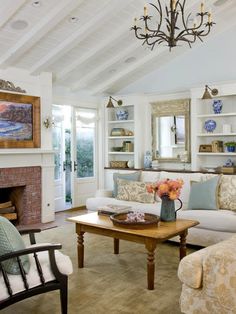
(120, 147)
(225, 131)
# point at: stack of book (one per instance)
(113, 209)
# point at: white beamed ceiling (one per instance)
(88, 55)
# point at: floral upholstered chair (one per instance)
(209, 279)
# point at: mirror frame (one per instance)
(171, 108)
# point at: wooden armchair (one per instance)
(49, 270)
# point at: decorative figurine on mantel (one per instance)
(229, 163)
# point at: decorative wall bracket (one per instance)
(7, 85)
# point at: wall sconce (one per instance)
(208, 93)
(48, 122)
(110, 103)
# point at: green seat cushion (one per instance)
(10, 241)
(204, 195)
(133, 176)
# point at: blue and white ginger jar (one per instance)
(217, 106)
(122, 114)
(210, 125)
(147, 159)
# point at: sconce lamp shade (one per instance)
(208, 93)
(110, 103)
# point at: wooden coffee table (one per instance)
(102, 225)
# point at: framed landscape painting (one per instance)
(19, 121)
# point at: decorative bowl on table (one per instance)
(147, 221)
(210, 125)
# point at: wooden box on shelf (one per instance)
(205, 148)
(118, 164)
(228, 169)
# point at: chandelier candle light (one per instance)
(180, 28)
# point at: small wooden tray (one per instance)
(119, 220)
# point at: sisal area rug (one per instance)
(112, 284)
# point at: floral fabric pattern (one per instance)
(134, 191)
(227, 192)
(215, 267)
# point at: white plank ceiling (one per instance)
(87, 44)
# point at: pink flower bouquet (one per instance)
(169, 188)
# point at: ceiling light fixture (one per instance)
(176, 22)
(209, 92)
(110, 103)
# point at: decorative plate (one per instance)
(210, 125)
(150, 221)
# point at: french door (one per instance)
(75, 147)
(85, 155)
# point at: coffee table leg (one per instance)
(80, 249)
(150, 246)
(116, 246)
(182, 245)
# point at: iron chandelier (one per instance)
(179, 26)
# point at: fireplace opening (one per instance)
(12, 202)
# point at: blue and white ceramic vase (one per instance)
(147, 160)
(217, 106)
(122, 114)
(210, 125)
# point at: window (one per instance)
(85, 142)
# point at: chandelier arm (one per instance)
(159, 10)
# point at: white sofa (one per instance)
(215, 225)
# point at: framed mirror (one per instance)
(171, 130)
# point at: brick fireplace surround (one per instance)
(29, 179)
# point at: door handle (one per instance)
(64, 165)
(75, 165)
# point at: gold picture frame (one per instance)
(19, 121)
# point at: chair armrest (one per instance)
(31, 233)
(103, 193)
(30, 250)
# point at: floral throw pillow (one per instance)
(227, 192)
(134, 191)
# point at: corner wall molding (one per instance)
(7, 85)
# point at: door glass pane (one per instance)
(85, 142)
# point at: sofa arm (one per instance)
(210, 267)
(190, 269)
(103, 193)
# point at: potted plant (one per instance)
(230, 146)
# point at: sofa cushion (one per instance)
(134, 191)
(187, 178)
(10, 241)
(204, 195)
(227, 192)
(133, 176)
(217, 220)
